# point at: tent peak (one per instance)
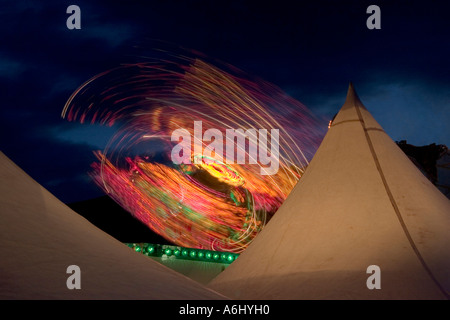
(352, 98)
(351, 93)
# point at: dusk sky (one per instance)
(310, 49)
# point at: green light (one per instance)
(157, 250)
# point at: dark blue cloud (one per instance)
(310, 49)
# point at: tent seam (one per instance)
(394, 204)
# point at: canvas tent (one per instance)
(361, 202)
(40, 237)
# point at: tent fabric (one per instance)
(40, 237)
(361, 202)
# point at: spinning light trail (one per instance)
(208, 205)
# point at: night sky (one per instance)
(311, 50)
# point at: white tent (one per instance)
(361, 202)
(40, 237)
